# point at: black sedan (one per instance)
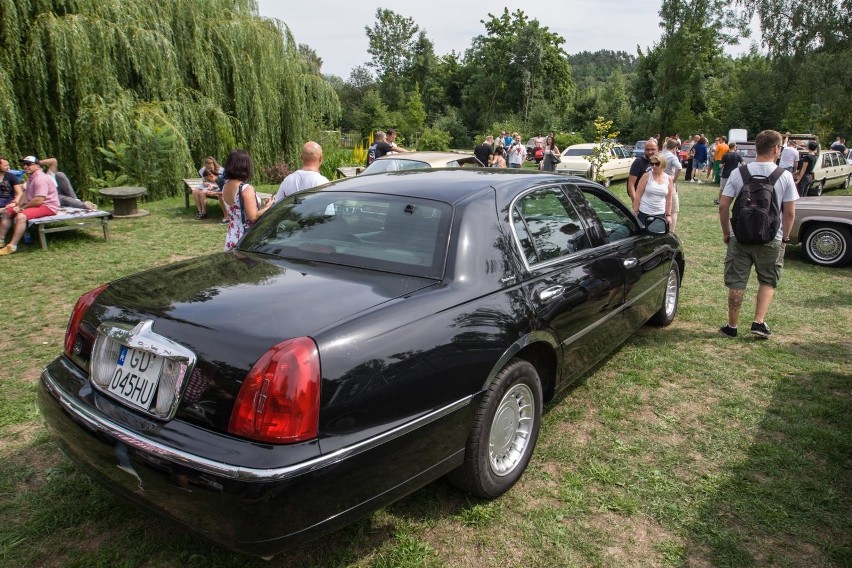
(363, 339)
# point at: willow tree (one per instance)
(75, 74)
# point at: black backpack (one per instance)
(756, 216)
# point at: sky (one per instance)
(335, 28)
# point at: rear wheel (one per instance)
(668, 310)
(816, 189)
(828, 245)
(847, 182)
(504, 432)
(607, 182)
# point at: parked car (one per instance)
(362, 340)
(639, 148)
(683, 153)
(831, 171)
(748, 151)
(823, 227)
(399, 161)
(574, 161)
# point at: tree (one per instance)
(516, 63)
(211, 73)
(793, 26)
(392, 46)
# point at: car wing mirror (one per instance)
(656, 225)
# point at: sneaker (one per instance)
(715, 202)
(90, 206)
(728, 330)
(7, 250)
(225, 221)
(760, 330)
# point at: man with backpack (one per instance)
(764, 207)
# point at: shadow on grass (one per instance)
(787, 503)
(54, 515)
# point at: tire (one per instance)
(504, 432)
(668, 310)
(816, 189)
(847, 182)
(828, 245)
(607, 182)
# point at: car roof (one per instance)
(446, 184)
(430, 157)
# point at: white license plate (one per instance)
(136, 376)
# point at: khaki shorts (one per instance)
(768, 260)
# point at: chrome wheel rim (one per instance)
(671, 293)
(511, 429)
(826, 245)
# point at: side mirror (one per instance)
(656, 225)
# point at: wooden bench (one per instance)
(69, 219)
(349, 171)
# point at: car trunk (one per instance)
(229, 309)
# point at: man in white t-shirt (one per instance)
(789, 157)
(306, 177)
(767, 259)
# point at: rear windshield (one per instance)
(394, 165)
(404, 235)
(578, 152)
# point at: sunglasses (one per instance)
(656, 164)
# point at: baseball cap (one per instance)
(29, 160)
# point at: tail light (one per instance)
(279, 400)
(74, 335)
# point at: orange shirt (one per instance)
(721, 150)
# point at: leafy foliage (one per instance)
(434, 139)
(604, 139)
(209, 72)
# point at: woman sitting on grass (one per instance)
(242, 203)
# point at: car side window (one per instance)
(547, 226)
(600, 209)
(826, 161)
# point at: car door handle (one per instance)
(630, 262)
(549, 293)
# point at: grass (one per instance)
(684, 448)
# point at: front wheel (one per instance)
(607, 182)
(847, 182)
(668, 310)
(504, 432)
(828, 245)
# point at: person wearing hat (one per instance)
(40, 200)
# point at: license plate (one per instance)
(136, 376)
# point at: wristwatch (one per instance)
(787, 240)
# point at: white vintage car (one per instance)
(831, 171)
(575, 162)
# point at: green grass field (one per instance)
(683, 448)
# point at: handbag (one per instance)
(555, 159)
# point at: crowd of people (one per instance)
(508, 151)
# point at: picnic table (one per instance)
(69, 219)
(124, 200)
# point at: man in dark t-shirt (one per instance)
(380, 147)
(484, 151)
(10, 186)
(807, 163)
(729, 162)
(639, 166)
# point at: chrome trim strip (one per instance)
(134, 440)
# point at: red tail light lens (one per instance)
(80, 308)
(279, 400)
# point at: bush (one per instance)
(277, 172)
(434, 139)
(452, 124)
(565, 139)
